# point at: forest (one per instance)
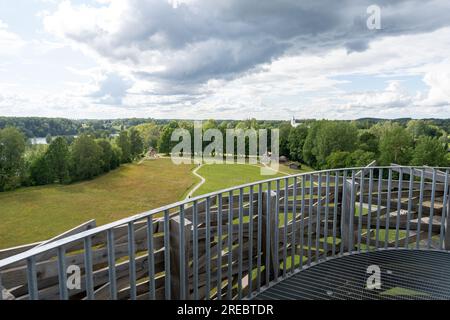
(83, 149)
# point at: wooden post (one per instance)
(345, 215)
(175, 264)
(268, 212)
(346, 205)
(447, 221)
(447, 235)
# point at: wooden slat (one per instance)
(5, 253)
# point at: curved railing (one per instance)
(190, 250)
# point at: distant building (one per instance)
(294, 122)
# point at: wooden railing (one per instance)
(234, 243)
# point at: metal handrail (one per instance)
(85, 236)
(103, 228)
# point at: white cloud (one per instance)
(233, 59)
(307, 85)
(394, 96)
(438, 80)
(10, 43)
(203, 39)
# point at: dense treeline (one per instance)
(318, 143)
(165, 143)
(336, 144)
(41, 127)
(63, 160)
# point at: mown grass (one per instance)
(221, 176)
(39, 213)
(399, 291)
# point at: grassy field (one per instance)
(39, 213)
(220, 176)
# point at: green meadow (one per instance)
(38, 213)
(220, 176)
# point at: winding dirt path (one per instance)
(202, 181)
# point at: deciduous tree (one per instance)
(86, 158)
(107, 154)
(123, 142)
(58, 158)
(395, 144)
(12, 147)
(429, 151)
(136, 143)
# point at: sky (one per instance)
(215, 59)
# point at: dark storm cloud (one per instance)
(205, 39)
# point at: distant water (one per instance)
(38, 140)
